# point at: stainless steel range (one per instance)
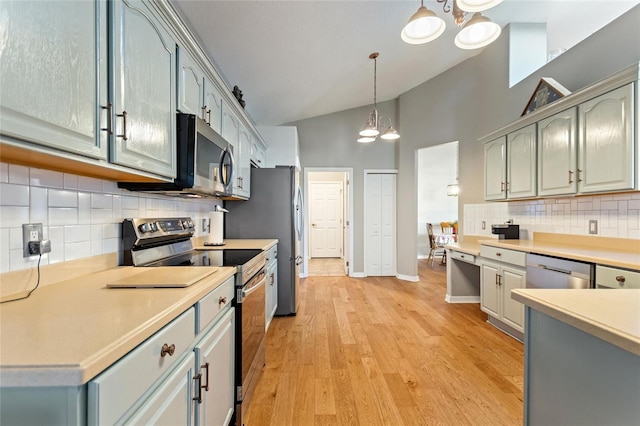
(167, 242)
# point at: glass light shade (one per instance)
(477, 5)
(478, 32)
(369, 130)
(424, 26)
(453, 190)
(366, 139)
(390, 134)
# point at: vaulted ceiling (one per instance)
(304, 58)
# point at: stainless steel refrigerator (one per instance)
(275, 210)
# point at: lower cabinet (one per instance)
(272, 284)
(214, 401)
(497, 279)
(183, 374)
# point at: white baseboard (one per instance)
(304, 275)
(358, 275)
(423, 256)
(462, 299)
(407, 278)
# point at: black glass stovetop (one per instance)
(229, 257)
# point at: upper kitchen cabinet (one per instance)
(53, 78)
(495, 155)
(521, 163)
(606, 142)
(190, 85)
(230, 126)
(258, 153)
(144, 90)
(284, 147)
(583, 143)
(557, 151)
(243, 163)
(212, 108)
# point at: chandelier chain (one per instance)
(375, 73)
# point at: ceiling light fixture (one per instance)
(376, 124)
(425, 26)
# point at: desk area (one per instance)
(463, 270)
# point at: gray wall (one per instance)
(330, 141)
(465, 103)
(474, 99)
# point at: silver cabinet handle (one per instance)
(124, 126)
(109, 128)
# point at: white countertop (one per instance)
(611, 315)
(67, 333)
(616, 252)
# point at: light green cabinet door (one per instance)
(521, 163)
(557, 156)
(190, 85)
(512, 310)
(606, 142)
(490, 289)
(144, 86)
(53, 74)
(212, 109)
(243, 164)
(215, 355)
(495, 169)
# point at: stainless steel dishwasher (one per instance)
(551, 272)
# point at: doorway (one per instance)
(328, 248)
(437, 170)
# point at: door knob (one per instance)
(313, 224)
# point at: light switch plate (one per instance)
(593, 227)
(30, 232)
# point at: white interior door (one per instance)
(380, 224)
(326, 219)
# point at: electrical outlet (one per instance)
(30, 232)
(593, 226)
(484, 224)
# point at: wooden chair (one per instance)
(434, 248)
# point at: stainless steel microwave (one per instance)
(205, 163)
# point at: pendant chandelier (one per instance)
(425, 26)
(376, 125)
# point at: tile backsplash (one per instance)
(618, 215)
(80, 215)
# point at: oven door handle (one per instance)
(242, 293)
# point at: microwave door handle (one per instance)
(225, 153)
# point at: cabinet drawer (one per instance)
(214, 303)
(607, 277)
(271, 255)
(469, 258)
(118, 388)
(513, 257)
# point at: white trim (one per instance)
(462, 299)
(423, 256)
(357, 274)
(305, 249)
(303, 275)
(408, 278)
(381, 171)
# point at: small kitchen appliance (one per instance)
(506, 231)
(167, 242)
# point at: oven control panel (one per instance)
(141, 229)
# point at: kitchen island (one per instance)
(582, 356)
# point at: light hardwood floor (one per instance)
(326, 266)
(380, 351)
